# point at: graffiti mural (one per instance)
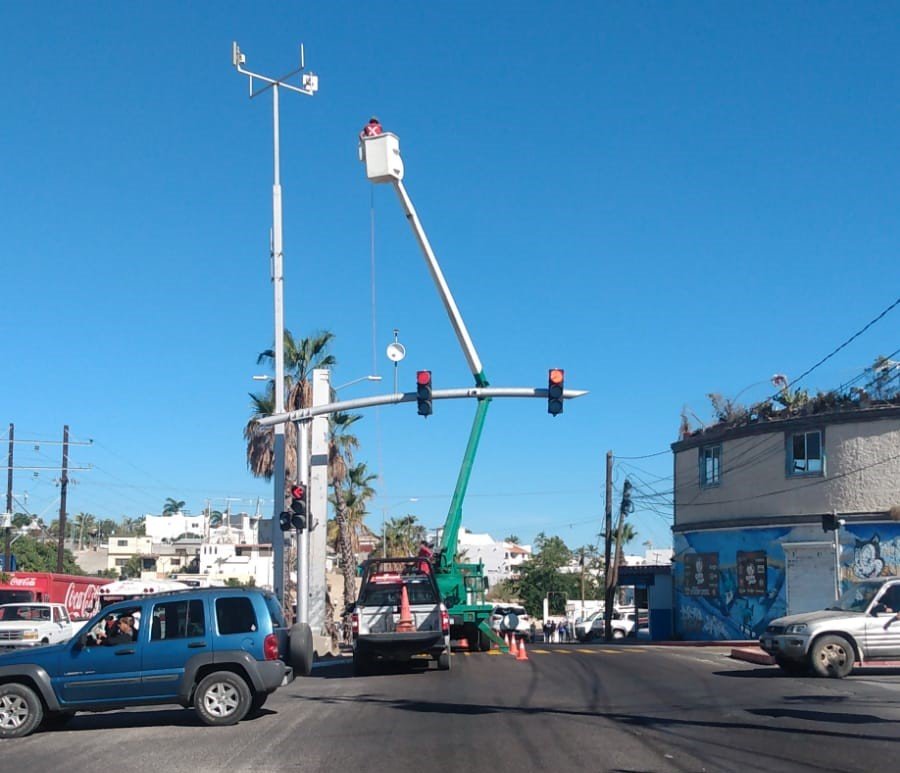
(746, 589)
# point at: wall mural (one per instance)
(730, 583)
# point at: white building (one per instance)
(165, 528)
(501, 559)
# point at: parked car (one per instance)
(33, 625)
(863, 626)
(622, 625)
(379, 630)
(510, 618)
(220, 650)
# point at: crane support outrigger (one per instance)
(462, 585)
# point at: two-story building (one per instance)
(754, 503)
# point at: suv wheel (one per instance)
(222, 698)
(832, 656)
(21, 711)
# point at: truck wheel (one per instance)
(792, 667)
(444, 660)
(832, 656)
(301, 649)
(21, 711)
(222, 698)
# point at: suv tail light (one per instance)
(270, 647)
(445, 621)
(354, 623)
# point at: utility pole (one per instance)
(607, 557)
(9, 498)
(63, 490)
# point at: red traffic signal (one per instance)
(299, 506)
(556, 379)
(423, 392)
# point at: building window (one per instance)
(121, 562)
(710, 465)
(805, 455)
(122, 543)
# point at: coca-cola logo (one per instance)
(82, 602)
(23, 582)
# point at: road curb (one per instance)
(752, 655)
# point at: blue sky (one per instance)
(665, 199)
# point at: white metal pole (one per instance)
(278, 287)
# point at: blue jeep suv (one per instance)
(221, 650)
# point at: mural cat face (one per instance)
(867, 562)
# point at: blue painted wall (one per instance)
(867, 551)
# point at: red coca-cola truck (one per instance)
(80, 593)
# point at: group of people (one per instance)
(557, 633)
(115, 631)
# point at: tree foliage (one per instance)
(35, 556)
(541, 577)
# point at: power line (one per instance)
(848, 341)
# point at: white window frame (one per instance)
(710, 465)
(791, 462)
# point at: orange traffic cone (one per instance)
(405, 623)
(513, 649)
(506, 638)
(522, 654)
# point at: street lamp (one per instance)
(355, 381)
(309, 84)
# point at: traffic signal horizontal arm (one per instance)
(304, 414)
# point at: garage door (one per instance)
(810, 576)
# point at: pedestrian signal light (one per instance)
(284, 521)
(830, 522)
(423, 392)
(555, 386)
(299, 506)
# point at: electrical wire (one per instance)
(835, 351)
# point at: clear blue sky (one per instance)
(665, 199)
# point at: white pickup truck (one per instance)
(33, 624)
(399, 615)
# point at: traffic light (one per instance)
(423, 390)
(555, 384)
(284, 521)
(299, 506)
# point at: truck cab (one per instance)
(33, 624)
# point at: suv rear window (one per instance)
(388, 594)
(235, 614)
(275, 612)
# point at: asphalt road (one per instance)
(620, 707)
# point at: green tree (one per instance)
(34, 556)
(404, 535)
(83, 523)
(541, 577)
(173, 506)
(20, 520)
(512, 539)
(133, 567)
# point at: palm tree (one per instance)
(300, 360)
(83, 522)
(172, 506)
(341, 445)
(404, 535)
